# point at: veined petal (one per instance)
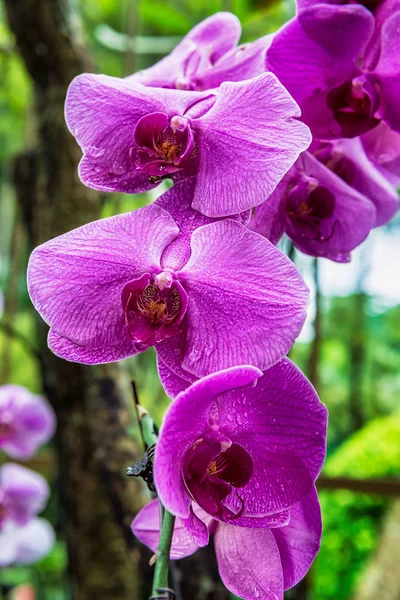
(249, 562)
(386, 73)
(246, 300)
(382, 146)
(146, 527)
(213, 37)
(184, 423)
(269, 218)
(299, 541)
(319, 49)
(243, 62)
(353, 217)
(247, 142)
(172, 382)
(75, 281)
(282, 424)
(102, 113)
(367, 180)
(178, 202)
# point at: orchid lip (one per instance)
(154, 306)
(163, 145)
(213, 470)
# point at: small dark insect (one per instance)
(144, 468)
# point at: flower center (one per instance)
(310, 207)
(217, 466)
(354, 104)
(213, 471)
(163, 145)
(153, 307)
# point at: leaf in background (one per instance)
(164, 18)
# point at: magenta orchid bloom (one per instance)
(24, 538)
(27, 421)
(345, 81)
(253, 563)
(25, 544)
(224, 294)
(23, 494)
(247, 448)
(328, 203)
(207, 56)
(348, 160)
(238, 140)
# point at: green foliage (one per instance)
(352, 520)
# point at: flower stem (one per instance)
(162, 562)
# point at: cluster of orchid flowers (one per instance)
(296, 133)
(27, 422)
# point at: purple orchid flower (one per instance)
(23, 494)
(113, 287)
(320, 212)
(25, 544)
(238, 140)
(27, 421)
(349, 161)
(253, 563)
(345, 81)
(207, 56)
(235, 453)
(238, 455)
(328, 203)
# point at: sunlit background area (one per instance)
(349, 346)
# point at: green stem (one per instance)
(162, 561)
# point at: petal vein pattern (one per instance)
(246, 300)
(75, 281)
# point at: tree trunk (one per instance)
(381, 578)
(97, 500)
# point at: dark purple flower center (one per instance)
(354, 104)
(154, 307)
(310, 207)
(162, 145)
(212, 471)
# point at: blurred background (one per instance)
(350, 345)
